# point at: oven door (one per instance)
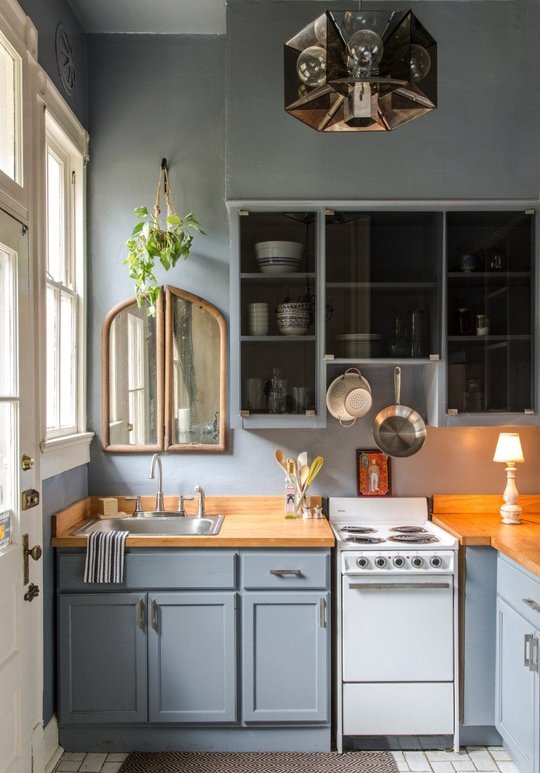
(398, 628)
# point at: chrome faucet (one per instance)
(159, 495)
(201, 512)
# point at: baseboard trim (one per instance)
(53, 750)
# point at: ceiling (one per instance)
(175, 17)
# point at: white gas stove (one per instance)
(397, 619)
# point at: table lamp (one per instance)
(509, 452)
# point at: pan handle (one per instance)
(397, 383)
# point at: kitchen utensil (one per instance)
(339, 389)
(303, 475)
(398, 430)
(280, 459)
(302, 459)
(314, 470)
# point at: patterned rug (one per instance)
(259, 762)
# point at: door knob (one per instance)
(36, 552)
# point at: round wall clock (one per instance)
(65, 59)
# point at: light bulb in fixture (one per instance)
(417, 58)
(311, 66)
(365, 52)
(320, 29)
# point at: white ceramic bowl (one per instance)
(278, 249)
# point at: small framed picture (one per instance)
(373, 474)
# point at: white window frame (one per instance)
(65, 449)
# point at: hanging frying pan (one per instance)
(398, 430)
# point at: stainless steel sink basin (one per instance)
(169, 525)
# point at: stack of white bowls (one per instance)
(293, 318)
(258, 319)
(278, 257)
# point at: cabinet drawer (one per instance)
(520, 589)
(152, 569)
(285, 569)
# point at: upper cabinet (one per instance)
(447, 291)
(490, 292)
(164, 378)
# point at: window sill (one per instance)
(64, 453)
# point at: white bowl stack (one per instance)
(293, 318)
(278, 257)
(258, 319)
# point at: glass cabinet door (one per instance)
(490, 291)
(383, 285)
(277, 313)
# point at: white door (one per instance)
(20, 619)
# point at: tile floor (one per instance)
(493, 759)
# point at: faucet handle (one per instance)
(137, 510)
(201, 510)
(181, 500)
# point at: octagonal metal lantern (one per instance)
(360, 71)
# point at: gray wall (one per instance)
(151, 98)
(46, 15)
(58, 492)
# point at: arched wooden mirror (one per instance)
(164, 378)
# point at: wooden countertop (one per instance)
(475, 520)
(250, 522)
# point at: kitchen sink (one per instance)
(165, 525)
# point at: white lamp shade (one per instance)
(508, 448)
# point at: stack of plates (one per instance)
(278, 257)
(360, 345)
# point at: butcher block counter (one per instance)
(475, 520)
(249, 522)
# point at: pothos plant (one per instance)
(150, 242)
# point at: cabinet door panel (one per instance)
(516, 712)
(102, 659)
(285, 657)
(192, 660)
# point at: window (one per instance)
(64, 285)
(10, 111)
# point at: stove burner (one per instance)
(414, 538)
(358, 529)
(409, 530)
(365, 540)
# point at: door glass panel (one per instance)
(8, 394)
(67, 361)
(52, 353)
(10, 112)
(490, 311)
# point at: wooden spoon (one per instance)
(304, 474)
(280, 459)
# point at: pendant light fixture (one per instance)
(360, 71)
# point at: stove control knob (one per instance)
(435, 561)
(417, 562)
(380, 562)
(362, 562)
(399, 562)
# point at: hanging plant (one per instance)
(150, 242)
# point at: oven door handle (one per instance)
(398, 585)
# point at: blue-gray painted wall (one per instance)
(58, 492)
(214, 107)
(46, 15)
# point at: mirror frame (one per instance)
(105, 381)
(164, 375)
(221, 445)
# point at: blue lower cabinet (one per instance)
(103, 657)
(192, 657)
(285, 657)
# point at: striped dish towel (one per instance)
(105, 556)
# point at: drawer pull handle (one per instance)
(398, 585)
(285, 572)
(534, 666)
(154, 614)
(322, 612)
(140, 614)
(532, 604)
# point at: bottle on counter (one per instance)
(290, 492)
